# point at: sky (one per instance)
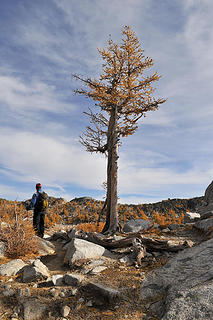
(42, 43)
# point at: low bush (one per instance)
(19, 237)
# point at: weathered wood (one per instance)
(151, 244)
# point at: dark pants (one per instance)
(38, 223)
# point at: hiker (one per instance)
(39, 203)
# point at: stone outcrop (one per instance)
(193, 303)
(187, 271)
(206, 208)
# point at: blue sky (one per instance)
(42, 43)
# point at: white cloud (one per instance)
(24, 97)
(33, 157)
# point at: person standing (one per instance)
(39, 204)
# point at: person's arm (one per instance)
(33, 202)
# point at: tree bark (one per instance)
(111, 225)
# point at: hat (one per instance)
(38, 186)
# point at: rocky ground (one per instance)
(106, 286)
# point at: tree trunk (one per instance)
(111, 224)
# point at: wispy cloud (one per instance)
(29, 157)
(43, 43)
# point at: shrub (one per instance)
(19, 237)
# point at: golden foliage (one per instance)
(91, 227)
(19, 238)
(168, 218)
(123, 85)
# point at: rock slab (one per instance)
(11, 268)
(189, 270)
(102, 293)
(81, 249)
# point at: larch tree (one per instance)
(123, 93)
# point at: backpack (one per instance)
(42, 202)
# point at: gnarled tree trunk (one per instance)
(111, 224)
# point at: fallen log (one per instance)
(151, 244)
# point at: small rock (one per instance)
(98, 269)
(89, 303)
(62, 294)
(53, 292)
(102, 293)
(65, 310)
(73, 292)
(166, 230)
(8, 293)
(57, 280)
(95, 263)
(73, 279)
(126, 260)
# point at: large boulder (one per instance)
(45, 247)
(137, 225)
(12, 268)
(191, 268)
(191, 217)
(36, 271)
(81, 249)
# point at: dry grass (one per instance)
(20, 239)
